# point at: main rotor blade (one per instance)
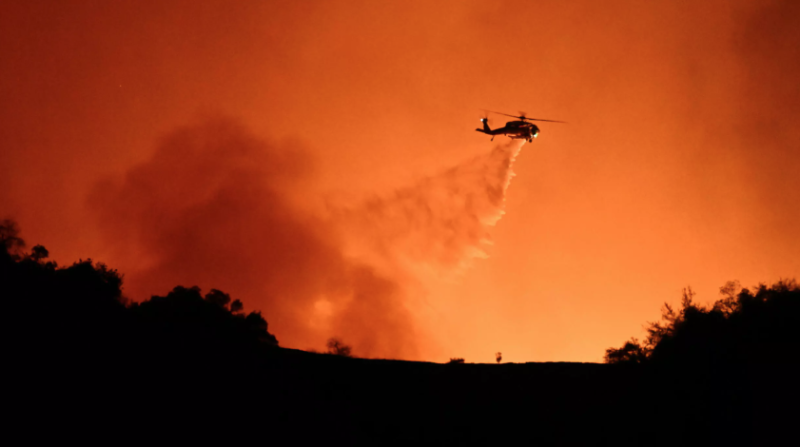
(549, 121)
(506, 114)
(525, 118)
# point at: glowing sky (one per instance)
(678, 166)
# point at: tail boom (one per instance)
(486, 129)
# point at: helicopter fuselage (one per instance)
(513, 129)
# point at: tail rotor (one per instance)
(485, 117)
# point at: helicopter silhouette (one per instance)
(521, 129)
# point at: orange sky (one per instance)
(157, 135)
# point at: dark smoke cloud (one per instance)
(216, 207)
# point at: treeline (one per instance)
(78, 314)
(745, 327)
(80, 308)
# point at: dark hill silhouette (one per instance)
(87, 365)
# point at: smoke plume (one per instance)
(439, 224)
(217, 207)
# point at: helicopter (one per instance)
(521, 129)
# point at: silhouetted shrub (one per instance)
(456, 360)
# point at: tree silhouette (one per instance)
(79, 313)
(39, 253)
(741, 327)
(337, 347)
